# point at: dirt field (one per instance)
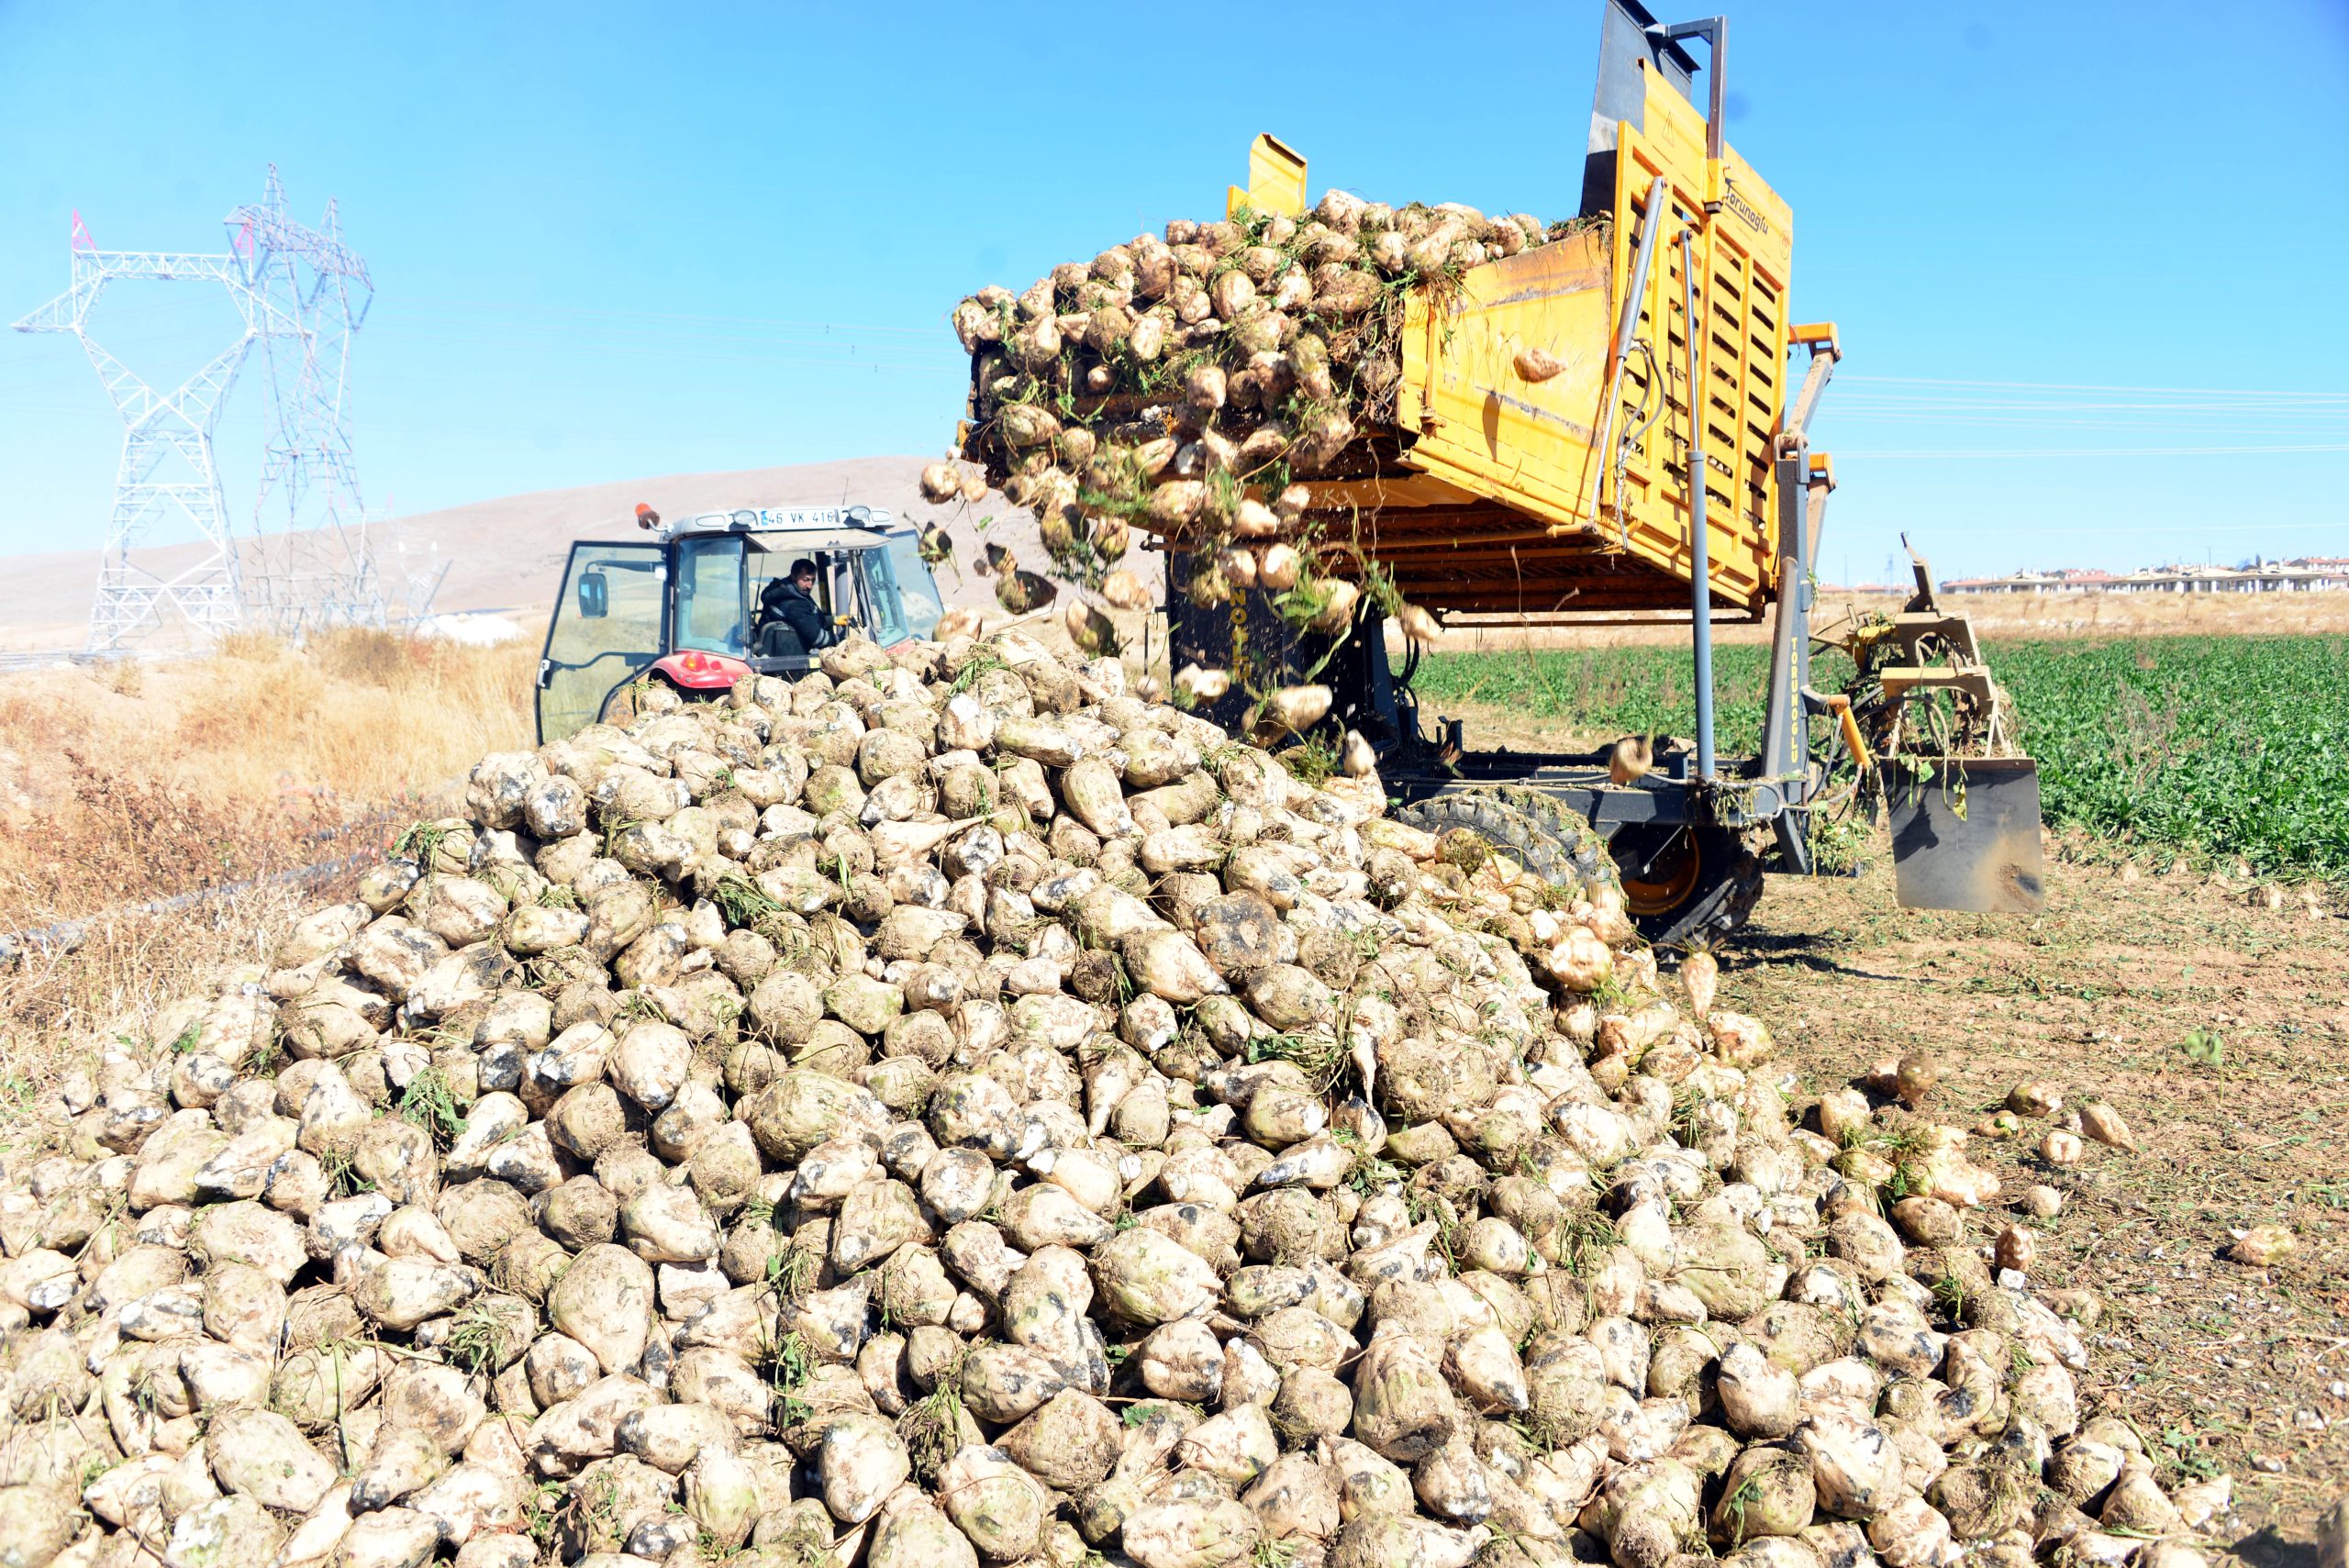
(2220, 1366)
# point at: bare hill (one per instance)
(507, 554)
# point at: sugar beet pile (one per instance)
(952, 1111)
(1180, 385)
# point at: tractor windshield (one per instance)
(710, 600)
(865, 581)
(915, 589)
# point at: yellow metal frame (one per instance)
(1484, 431)
(1275, 180)
(1497, 469)
(1815, 335)
(1742, 253)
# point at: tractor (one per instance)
(690, 606)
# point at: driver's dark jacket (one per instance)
(784, 601)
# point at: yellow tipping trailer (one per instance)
(1552, 409)
(1566, 497)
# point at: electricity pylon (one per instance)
(310, 278)
(167, 462)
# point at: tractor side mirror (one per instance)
(594, 596)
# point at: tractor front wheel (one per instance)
(650, 692)
(1686, 883)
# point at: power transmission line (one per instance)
(167, 464)
(2089, 386)
(1842, 453)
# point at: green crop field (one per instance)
(2233, 746)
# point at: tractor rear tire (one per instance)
(1529, 827)
(1712, 883)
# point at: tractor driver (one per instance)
(791, 599)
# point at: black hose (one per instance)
(64, 936)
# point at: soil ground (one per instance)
(2220, 1366)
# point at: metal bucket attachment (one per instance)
(1965, 834)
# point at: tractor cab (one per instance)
(691, 605)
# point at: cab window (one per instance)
(916, 589)
(710, 600)
(886, 615)
(607, 627)
(769, 567)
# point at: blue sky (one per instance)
(611, 241)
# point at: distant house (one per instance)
(2257, 577)
(2309, 573)
(2019, 583)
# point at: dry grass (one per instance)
(57, 1007)
(134, 783)
(356, 714)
